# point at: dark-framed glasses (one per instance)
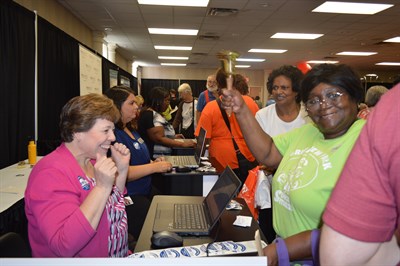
(330, 98)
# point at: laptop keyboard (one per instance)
(189, 216)
(185, 160)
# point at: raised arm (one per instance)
(259, 143)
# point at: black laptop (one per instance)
(198, 215)
(192, 161)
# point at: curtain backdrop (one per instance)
(17, 61)
(58, 81)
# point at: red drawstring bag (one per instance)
(249, 190)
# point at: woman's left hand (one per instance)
(121, 156)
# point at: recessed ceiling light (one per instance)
(267, 51)
(164, 47)
(195, 3)
(388, 64)
(351, 8)
(250, 59)
(395, 39)
(172, 31)
(322, 62)
(301, 36)
(242, 66)
(172, 64)
(174, 57)
(371, 75)
(357, 53)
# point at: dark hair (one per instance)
(239, 82)
(290, 72)
(156, 97)
(220, 77)
(341, 76)
(81, 112)
(119, 94)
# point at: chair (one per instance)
(12, 245)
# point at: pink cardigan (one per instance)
(56, 225)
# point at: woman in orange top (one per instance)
(220, 139)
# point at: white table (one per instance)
(13, 180)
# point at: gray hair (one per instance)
(184, 87)
(374, 94)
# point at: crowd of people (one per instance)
(334, 174)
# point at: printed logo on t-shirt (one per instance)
(301, 169)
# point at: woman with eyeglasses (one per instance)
(308, 159)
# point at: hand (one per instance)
(162, 166)
(232, 99)
(159, 159)
(121, 156)
(270, 253)
(179, 136)
(189, 143)
(104, 171)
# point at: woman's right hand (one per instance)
(162, 166)
(188, 143)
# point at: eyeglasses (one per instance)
(276, 87)
(313, 104)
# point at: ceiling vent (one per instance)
(209, 37)
(199, 54)
(221, 12)
(193, 63)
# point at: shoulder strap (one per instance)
(226, 119)
(206, 94)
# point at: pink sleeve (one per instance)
(364, 201)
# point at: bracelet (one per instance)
(315, 234)
(281, 249)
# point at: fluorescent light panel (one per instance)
(267, 51)
(300, 36)
(242, 66)
(357, 53)
(250, 60)
(173, 31)
(173, 57)
(164, 47)
(172, 64)
(351, 8)
(388, 64)
(395, 39)
(194, 3)
(322, 62)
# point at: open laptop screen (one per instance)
(224, 189)
(201, 145)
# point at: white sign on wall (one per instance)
(89, 72)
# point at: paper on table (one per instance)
(243, 221)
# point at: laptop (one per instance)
(169, 215)
(191, 161)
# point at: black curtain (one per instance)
(148, 84)
(17, 46)
(58, 59)
(197, 86)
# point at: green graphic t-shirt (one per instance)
(306, 176)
